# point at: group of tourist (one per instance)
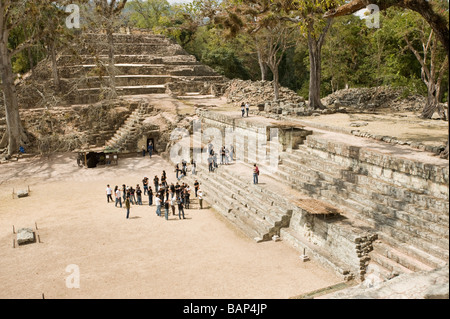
(167, 197)
(226, 157)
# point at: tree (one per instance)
(427, 53)
(147, 14)
(105, 16)
(14, 14)
(431, 12)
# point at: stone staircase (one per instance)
(125, 138)
(259, 213)
(407, 212)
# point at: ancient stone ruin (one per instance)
(352, 208)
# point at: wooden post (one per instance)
(14, 230)
(85, 160)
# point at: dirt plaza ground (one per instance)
(146, 256)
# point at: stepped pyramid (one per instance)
(145, 63)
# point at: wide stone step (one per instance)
(389, 264)
(359, 212)
(302, 158)
(260, 200)
(242, 217)
(76, 71)
(323, 168)
(127, 38)
(405, 172)
(124, 81)
(256, 211)
(348, 190)
(412, 251)
(124, 48)
(399, 257)
(419, 235)
(160, 60)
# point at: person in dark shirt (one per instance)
(139, 195)
(196, 187)
(156, 182)
(166, 209)
(180, 208)
(150, 196)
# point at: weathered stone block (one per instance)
(22, 193)
(25, 236)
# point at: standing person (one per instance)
(177, 170)
(145, 185)
(163, 180)
(242, 109)
(210, 163)
(139, 195)
(227, 155)
(150, 196)
(143, 151)
(215, 161)
(166, 209)
(194, 167)
(156, 182)
(161, 191)
(167, 190)
(108, 193)
(177, 189)
(158, 205)
(173, 203)
(150, 149)
(196, 187)
(200, 198)
(127, 206)
(255, 174)
(132, 196)
(247, 107)
(184, 164)
(187, 194)
(180, 208)
(124, 191)
(118, 196)
(222, 155)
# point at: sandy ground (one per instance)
(146, 256)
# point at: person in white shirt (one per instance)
(118, 196)
(109, 193)
(200, 198)
(158, 205)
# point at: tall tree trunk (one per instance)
(56, 80)
(315, 60)
(111, 56)
(314, 74)
(276, 85)
(262, 65)
(15, 132)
